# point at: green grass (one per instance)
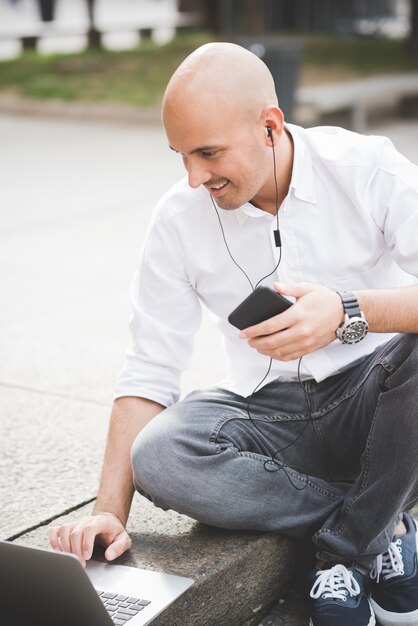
(138, 77)
(134, 77)
(362, 54)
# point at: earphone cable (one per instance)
(272, 464)
(276, 186)
(226, 244)
(253, 287)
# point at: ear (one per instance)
(272, 117)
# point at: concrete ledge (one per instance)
(305, 114)
(238, 574)
(357, 97)
(294, 611)
(97, 112)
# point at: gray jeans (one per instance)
(341, 479)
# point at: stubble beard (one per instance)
(231, 203)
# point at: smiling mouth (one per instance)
(218, 187)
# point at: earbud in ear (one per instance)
(269, 132)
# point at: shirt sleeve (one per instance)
(166, 315)
(392, 198)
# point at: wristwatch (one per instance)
(354, 327)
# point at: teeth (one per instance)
(219, 186)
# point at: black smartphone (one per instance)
(260, 305)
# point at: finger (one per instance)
(275, 341)
(297, 290)
(291, 356)
(294, 355)
(273, 325)
(289, 344)
(76, 540)
(120, 544)
(88, 539)
(53, 538)
(64, 537)
(292, 346)
(286, 354)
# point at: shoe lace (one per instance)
(390, 563)
(336, 582)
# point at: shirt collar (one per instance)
(302, 181)
(249, 210)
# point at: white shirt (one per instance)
(349, 222)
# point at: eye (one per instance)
(208, 154)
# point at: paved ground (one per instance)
(75, 200)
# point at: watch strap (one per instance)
(350, 304)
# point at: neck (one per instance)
(266, 198)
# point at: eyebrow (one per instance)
(200, 149)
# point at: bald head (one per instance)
(220, 112)
(220, 77)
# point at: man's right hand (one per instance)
(79, 536)
(129, 416)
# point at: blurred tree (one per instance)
(47, 10)
(413, 38)
(94, 38)
(250, 17)
(210, 10)
(257, 17)
(238, 17)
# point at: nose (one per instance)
(198, 173)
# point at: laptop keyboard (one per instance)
(121, 608)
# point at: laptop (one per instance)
(47, 588)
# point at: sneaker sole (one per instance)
(388, 618)
(372, 622)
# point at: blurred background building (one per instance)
(386, 17)
(64, 25)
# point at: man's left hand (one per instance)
(306, 326)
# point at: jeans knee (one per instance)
(160, 459)
(146, 454)
(403, 360)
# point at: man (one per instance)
(313, 434)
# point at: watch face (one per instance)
(355, 331)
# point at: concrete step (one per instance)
(293, 611)
(238, 575)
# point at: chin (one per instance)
(229, 205)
